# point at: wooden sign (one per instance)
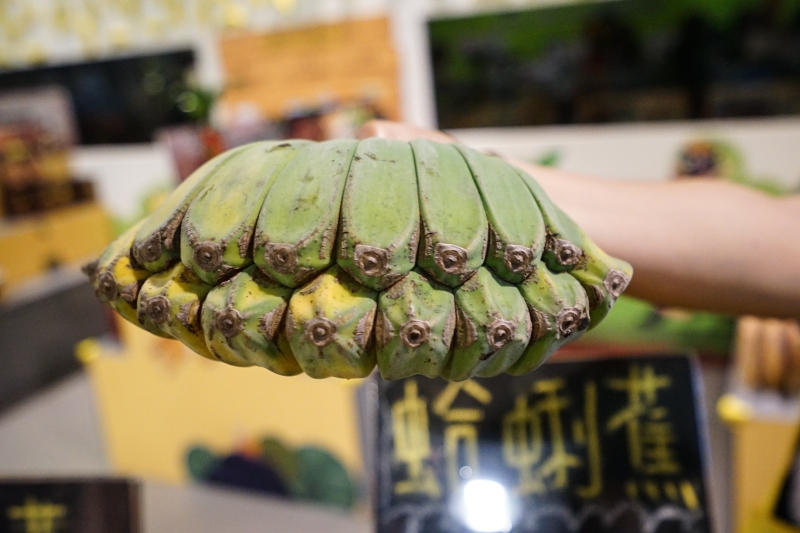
(69, 506)
(283, 72)
(601, 446)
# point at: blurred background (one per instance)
(106, 105)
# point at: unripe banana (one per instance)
(454, 225)
(568, 249)
(326, 209)
(516, 228)
(493, 328)
(562, 250)
(117, 279)
(329, 326)
(379, 229)
(170, 301)
(603, 277)
(217, 230)
(559, 310)
(156, 244)
(414, 327)
(296, 229)
(242, 321)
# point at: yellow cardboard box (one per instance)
(157, 398)
(762, 448)
(31, 245)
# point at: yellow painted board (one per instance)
(80, 231)
(762, 522)
(310, 96)
(156, 399)
(346, 61)
(761, 451)
(23, 251)
(31, 245)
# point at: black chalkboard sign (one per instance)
(612, 445)
(69, 506)
(787, 507)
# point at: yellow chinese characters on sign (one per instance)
(412, 446)
(412, 443)
(612, 441)
(460, 433)
(650, 437)
(524, 440)
(37, 517)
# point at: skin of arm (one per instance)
(699, 244)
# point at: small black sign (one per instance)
(787, 508)
(69, 506)
(611, 445)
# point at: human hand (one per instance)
(768, 353)
(398, 131)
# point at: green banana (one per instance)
(329, 325)
(117, 279)
(562, 251)
(419, 241)
(379, 229)
(217, 229)
(568, 249)
(156, 244)
(414, 327)
(242, 321)
(170, 301)
(493, 328)
(454, 225)
(559, 311)
(516, 228)
(296, 228)
(603, 277)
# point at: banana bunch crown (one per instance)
(331, 258)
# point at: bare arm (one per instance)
(702, 244)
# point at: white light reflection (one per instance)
(485, 507)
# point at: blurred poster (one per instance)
(115, 100)
(620, 61)
(286, 73)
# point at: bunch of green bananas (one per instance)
(329, 258)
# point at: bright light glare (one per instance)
(486, 506)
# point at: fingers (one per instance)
(793, 343)
(372, 128)
(748, 342)
(774, 355)
(387, 129)
(768, 353)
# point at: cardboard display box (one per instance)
(157, 399)
(32, 246)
